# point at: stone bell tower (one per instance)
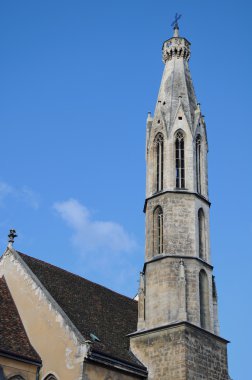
(178, 329)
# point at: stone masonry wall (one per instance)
(181, 352)
(162, 292)
(180, 216)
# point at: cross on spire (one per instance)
(11, 237)
(175, 22)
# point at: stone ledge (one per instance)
(177, 324)
(176, 192)
(164, 256)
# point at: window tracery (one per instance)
(180, 160)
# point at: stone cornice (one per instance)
(176, 192)
(164, 256)
(174, 325)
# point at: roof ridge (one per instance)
(77, 275)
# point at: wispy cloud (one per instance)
(105, 251)
(5, 190)
(24, 194)
(91, 235)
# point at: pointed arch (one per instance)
(158, 230)
(204, 300)
(16, 377)
(202, 234)
(180, 159)
(50, 377)
(198, 163)
(159, 159)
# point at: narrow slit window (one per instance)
(180, 161)
(204, 300)
(159, 147)
(202, 237)
(198, 163)
(158, 231)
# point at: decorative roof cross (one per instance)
(175, 22)
(12, 235)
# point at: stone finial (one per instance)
(176, 31)
(12, 235)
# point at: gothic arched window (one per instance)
(16, 377)
(202, 234)
(180, 160)
(50, 377)
(198, 163)
(204, 300)
(159, 153)
(158, 230)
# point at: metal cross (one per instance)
(175, 22)
(12, 236)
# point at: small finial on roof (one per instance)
(175, 25)
(12, 235)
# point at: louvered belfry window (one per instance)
(180, 160)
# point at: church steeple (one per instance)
(177, 297)
(177, 108)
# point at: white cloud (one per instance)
(30, 197)
(94, 235)
(24, 194)
(5, 190)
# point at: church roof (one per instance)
(92, 308)
(13, 338)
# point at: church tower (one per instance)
(178, 329)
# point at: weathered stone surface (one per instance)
(181, 352)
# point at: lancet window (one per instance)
(158, 230)
(202, 234)
(198, 163)
(50, 377)
(180, 160)
(204, 300)
(159, 152)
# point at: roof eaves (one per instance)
(22, 358)
(121, 365)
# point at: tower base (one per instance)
(181, 351)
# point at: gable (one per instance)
(92, 308)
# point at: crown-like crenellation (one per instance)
(176, 47)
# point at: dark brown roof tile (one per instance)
(92, 308)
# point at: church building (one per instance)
(55, 325)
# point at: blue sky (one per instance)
(77, 79)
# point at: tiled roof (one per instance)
(92, 308)
(13, 338)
